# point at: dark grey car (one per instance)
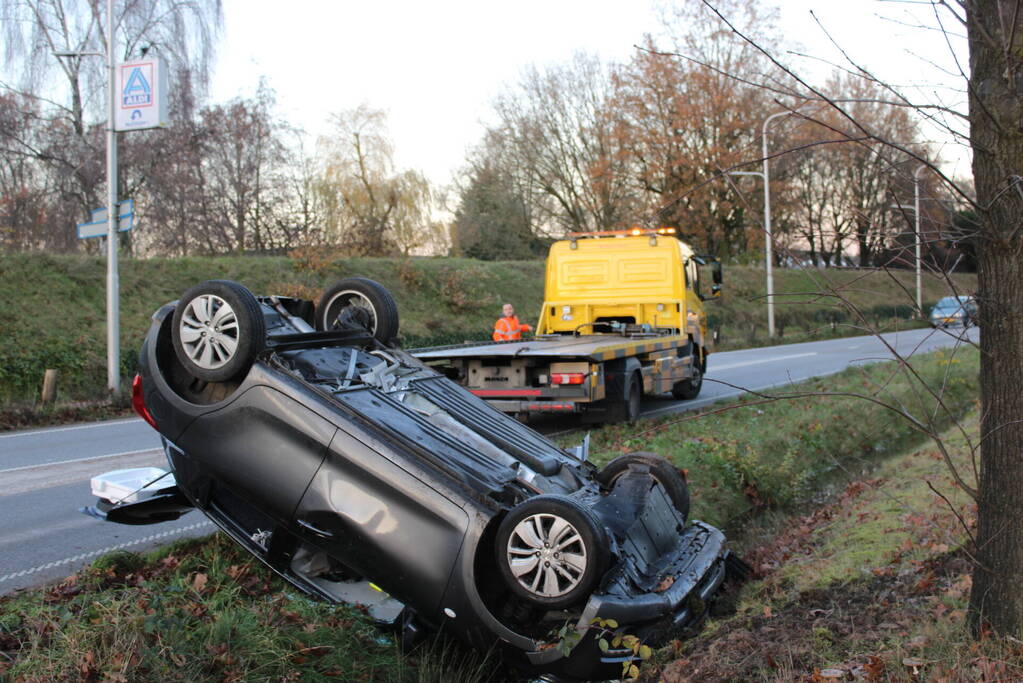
(308, 436)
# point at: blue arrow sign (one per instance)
(97, 226)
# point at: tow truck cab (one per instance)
(604, 282)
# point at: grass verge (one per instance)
(872, 586)
(53, 308)
(199, 610)
(770, 453)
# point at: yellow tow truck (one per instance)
(623, 316)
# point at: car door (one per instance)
(378, 518)
(253, 460)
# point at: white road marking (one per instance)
(68, 462)
(104, 551)
(714, 368)
(51, 430)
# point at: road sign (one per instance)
(141, 95)
(97, 224)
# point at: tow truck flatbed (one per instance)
(594, 347)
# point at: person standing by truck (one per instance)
(508, 327)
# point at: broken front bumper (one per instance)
(683, 589)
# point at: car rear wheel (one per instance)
(667, 475)
(358, 301)
(217, 330)
(551, 551)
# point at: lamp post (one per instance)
(916, 210)
(768, 241)
(113, 282)
(765, 175)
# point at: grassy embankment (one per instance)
(52, 308)
(873, 577)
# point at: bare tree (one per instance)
(66, 93)
(184, 32)
(996, 109)
(369, 207)
(559, 137)
(996, 140)
(684, 120)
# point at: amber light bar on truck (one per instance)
(623, 233)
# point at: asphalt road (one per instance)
(44, 474)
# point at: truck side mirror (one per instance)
(715, 290)
(717, 275)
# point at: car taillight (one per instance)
(138, 402)
(567, 378)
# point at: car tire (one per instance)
(551, 551)
(217, 330)
(667, 475)
(359, 301)
(690, 388)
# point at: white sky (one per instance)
(435, 66)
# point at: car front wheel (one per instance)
(551, 551)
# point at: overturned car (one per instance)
(310, 438)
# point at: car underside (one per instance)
(342, 462)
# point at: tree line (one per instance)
(589, 146)
(579, 146)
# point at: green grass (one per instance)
(757, 453)
(53, 307)
(873, 585)
(204, 610)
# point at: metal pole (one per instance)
(768, 255)
(769, 240)
(916, 210)
(113, 284)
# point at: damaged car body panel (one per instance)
(334, 456)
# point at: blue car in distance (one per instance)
(954, 311)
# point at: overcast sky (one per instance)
(435, 66)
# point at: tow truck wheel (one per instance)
(689, 389)
(667, 475)
(551, 551)
(217, 330)
(360, 302)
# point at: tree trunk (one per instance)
(996, 112)
(863, 241)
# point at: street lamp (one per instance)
(916, 210)
(765, 175)
(916, 247)
(768, 241)
(113, 283)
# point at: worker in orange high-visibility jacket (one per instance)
(509, 328)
